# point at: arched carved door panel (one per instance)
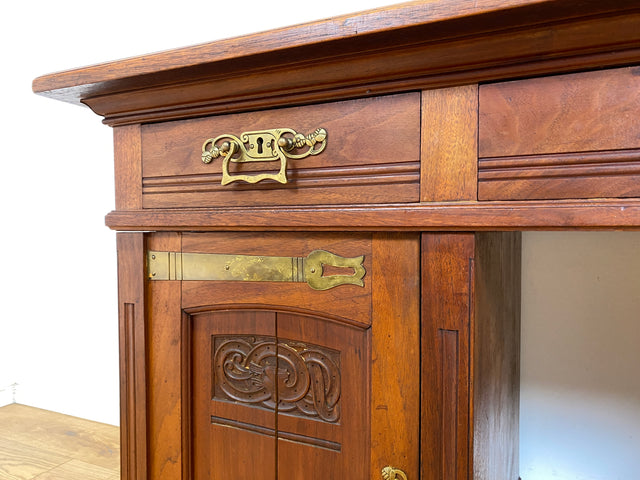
(226, 357)
(291, 389)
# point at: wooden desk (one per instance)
(430, 134)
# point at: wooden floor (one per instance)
(42, 445)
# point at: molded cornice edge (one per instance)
(405, 47)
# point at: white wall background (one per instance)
(580, 414)
(580, 383)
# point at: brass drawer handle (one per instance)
(390, 473)
(262, 146)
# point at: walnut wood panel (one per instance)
(363, 162)
(347, 303)
(306, 443)
(395, 389)
(568, 136)
(454, 216)
(580, 112)
(128, 167)
(452, 409)
(164, 370)
(449, 139)
(133, 401)
(496, 355)
(313, 448)
(226, 436)
(242, 453)
(446, 323)
(471, 351)
(555, 176)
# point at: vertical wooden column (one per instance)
(127, 149)
(133, 423)
(395, 402)
(131, 305)
(449, 147)
(449, 157)
(165, 369)
(447, 269)
(470, 327)
(470, 355)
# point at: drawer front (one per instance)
(371, 156)
(567, 136)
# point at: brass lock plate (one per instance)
(254, 268)
(261, 147)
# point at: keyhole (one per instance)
(260, 142)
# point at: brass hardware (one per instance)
(390, 473)
(262, 146)
(313, 269)
(250, 268)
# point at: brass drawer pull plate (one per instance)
(262, 146)
(253, 268)
(390, 473)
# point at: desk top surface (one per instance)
(402, 26)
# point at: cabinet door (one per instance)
(282, 391)
(233, 424)
(273, 379)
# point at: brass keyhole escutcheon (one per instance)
(279, 144)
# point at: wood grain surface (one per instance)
(446, 343)
(395, 333)
(581, 112)
(363, 435)
(496, 355)
(406, 47)
(346, 27)
(300, 450)
(471, 351)
(363, 161)
(164, 370)
(465, 216)
(245, 445)
(44, 445)
(449, 140)
(565, 136)
(133, 358)
(349, 303)
(127, 154)
(612, 173)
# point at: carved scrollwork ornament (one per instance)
(296, 378)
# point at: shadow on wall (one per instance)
(580, 386)
(574, 435)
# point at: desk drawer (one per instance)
(371, 156)
(566, 136)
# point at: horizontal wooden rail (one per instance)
(623, 214)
